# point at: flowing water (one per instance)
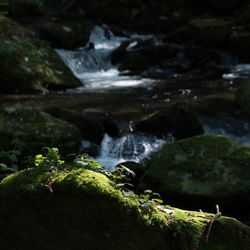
(92, 65)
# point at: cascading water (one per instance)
(93, 65)
(129, 147)
(238, 71)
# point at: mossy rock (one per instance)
(29, 64)
(242, 96)
(66, 34)
(34, 130)
(180, 119)
(200, 172)
(82, 209)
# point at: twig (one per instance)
(215, 217)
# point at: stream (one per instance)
(128, 97)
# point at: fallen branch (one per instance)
(215, 217)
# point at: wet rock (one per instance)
(92, 127)
(180, 119)
(29, 64)
(201, 172)
(66, 34)
(239, 44)
(29, 130)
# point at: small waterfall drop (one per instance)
(93, 65)
(129, 147)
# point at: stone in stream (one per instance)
(200, 172)
(76, 208)
(92, 128)
(29, 64)
(28, 131)
(66, 34)
(180, 119)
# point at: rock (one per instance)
(209, 32)
(239, 44)
(29, 64)
(86, 208)
(200, 172)
(92, 127)
(242, 96)
(66, 34)
(29, 130)
(32, 8)
(179, 119)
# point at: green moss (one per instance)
(84, 208)
(242, 96)
(208, 166)
(35, 130)
(29, 64)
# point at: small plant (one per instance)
(122, 176)
(85, 162)
(149, 200)
(51, 160)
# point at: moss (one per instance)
(35, 130)
(86, 209)
(242, 96)
(204, 166)
(29, 64)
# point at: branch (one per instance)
(215, 217)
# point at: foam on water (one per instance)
(129, 147)
(93, 66)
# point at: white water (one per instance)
(129, 147)
(93, 66)
(238, 71)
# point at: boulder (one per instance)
(239, 44)
(75, 208)
(180, 119)
(200, 172)
(66, 34)
(29, 64)
(242, 96)
(209, 32)
(29, 130)
(92, 128)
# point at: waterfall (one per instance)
(129, 147)
(93, 65)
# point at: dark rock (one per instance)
(66, 34)
(239, 44)
(179, 119)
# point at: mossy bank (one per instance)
(75, 208)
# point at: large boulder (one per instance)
(29, 64)
(200, 172)
(76, 208)
(66, 34)
(180, 119)
(29, 130)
